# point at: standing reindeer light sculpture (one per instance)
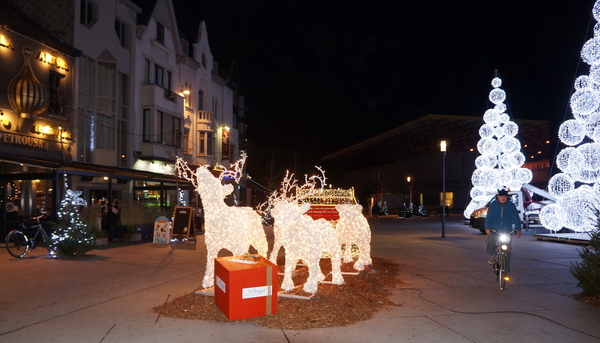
(353, 229)
(302, 237)
(231, 228)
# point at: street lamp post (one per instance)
(409, 190)
(443, 149)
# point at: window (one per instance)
(215, 107)
(87, 83)
(203, 60)
(169, 77)
(158, 75)
(176, 132)
(123, 118)
(170, 130)
(205, 143)
(105, 132)
(106, 109)
(122, 31)
(202, 142)
(88, 13)
(146, 71)
(160, 33)
(210, 142)
(200, 100)
(146, 125)
(54, 92)
(187, 147)
(85, 133)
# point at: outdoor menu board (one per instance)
(182, 222)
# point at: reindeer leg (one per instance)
(314, 273)
(336, 262)
(347, 253)
(209, 274)
(290, 264)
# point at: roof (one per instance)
(423, 136)
(13, 18)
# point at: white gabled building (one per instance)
(143, 94)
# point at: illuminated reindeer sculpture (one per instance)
(353, 229)
(231, 228)
(302, 237)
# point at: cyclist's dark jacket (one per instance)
(500, 217)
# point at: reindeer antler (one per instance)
(237, 172)
(185, 172)
(291, 192)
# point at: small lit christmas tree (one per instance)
(71, 237)
(576, 187)
(501, 160)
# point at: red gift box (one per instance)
(245, 286)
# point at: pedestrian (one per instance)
(375, 211)
(502, 217)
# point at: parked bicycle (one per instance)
(18, 244)
(502, 250)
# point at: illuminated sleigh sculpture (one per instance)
(231, 228)
(302, 237)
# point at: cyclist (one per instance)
(502, 215)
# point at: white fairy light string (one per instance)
(231, 228)
(302, 237)
(576, 186)
(500, 163)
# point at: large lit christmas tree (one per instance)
(576, 187)
(501, 160)
(71, 237)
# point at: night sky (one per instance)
(319, 76)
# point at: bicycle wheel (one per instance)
(502, 271)
(17, 243)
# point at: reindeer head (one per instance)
(209, 186)
(206, 184)
(284, 203)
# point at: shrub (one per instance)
(587, 272)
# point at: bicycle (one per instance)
(502, 249)
(17, 243)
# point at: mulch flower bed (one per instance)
(358, 299)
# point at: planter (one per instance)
(132, 237)
(100, 241)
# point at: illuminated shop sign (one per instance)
(52, 60)
(8, 138)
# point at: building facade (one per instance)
(124, 94)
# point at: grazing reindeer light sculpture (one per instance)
(302, 237)
(231, 228)
(353, 229)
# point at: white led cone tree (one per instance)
(576, 186)
(500, 162)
